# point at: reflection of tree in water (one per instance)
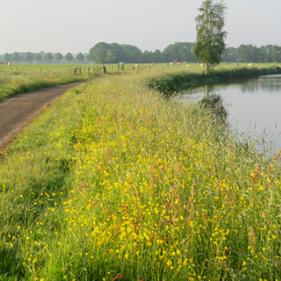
(213, 102)
(271, 84)
(209, 89)
(268, 83)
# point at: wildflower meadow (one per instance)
(116, 182)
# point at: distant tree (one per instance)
(229, 55)
(210, 35)
(80, 57)
(7, 57)
(15, 57)
(42, 55)
(38, 57)
(28, 57)
(249, 53)
(48, 57)
(99, 52)
(89, 57)
(157, 56)
(136, 56)
(180, 51)
(147, 56)
(131, 53)
(168, 54)
(68, 57)
(118, 52)
(111, 55)
(58, 56)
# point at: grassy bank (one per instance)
(19, 79)
(173, 82)
(115, 182)
(168, 79)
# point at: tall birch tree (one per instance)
(210, 34)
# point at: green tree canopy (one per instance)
(99, 52)
(68, 57)
(15, 56)
(28, 56)
(48, 57)
(7, 57)
(111, 55)
(58, 56)
(210, 35)
(38, 57)
(147, 56)
(89, 57)
(247, 53)
(157, 56)
(180, 51)
(80, 57)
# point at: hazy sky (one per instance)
(77, 25)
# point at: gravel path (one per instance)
(18, 111)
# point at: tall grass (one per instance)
(115, 182)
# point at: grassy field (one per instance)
(115, 182)
(18, 79)
(193, 67)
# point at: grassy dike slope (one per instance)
(176, 80)
(115, 182)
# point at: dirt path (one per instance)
(17, 112)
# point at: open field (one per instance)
(18, 78)
(114, 181)
(193, 67)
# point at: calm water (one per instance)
(254, 107)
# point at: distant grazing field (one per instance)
(18, 79)
(25, 78)
(193, 67)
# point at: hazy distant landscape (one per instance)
(180, 52)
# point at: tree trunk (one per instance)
(206, 70)
(207, 90)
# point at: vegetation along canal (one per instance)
(253, 107)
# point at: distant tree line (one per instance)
(180, 52)
(114, 53)
(252, 53)
(43, 57)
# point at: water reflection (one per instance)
(253, 107)
(270, 83)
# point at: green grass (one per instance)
(18, 79)
(113, 179)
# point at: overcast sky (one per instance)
(77, 25)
